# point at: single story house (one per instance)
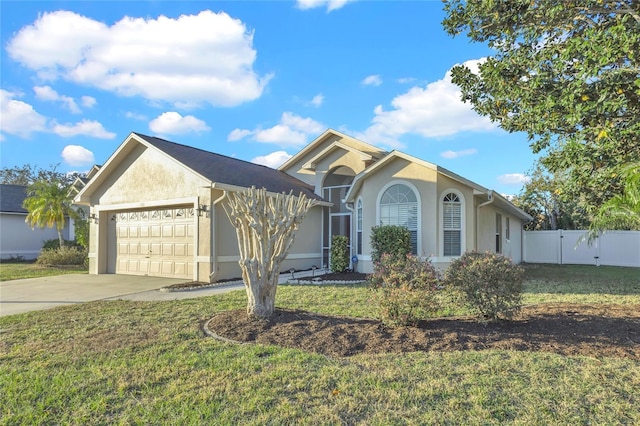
(157, 207)
(17, 239)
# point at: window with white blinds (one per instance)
(452, 225)
(399, 206)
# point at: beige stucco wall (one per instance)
(146, 178)
(17, 239)
(512, 247)
(337, 157)
(304, 253)
(424, 181)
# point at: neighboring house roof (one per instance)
(12, 197)
(218, 169)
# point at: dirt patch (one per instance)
(567, 329)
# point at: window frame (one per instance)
(462, 229)
(413, 188)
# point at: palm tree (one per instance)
(48, 204)
(623, 210)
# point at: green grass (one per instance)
(19, 270)
(581, 284)
(125, 362)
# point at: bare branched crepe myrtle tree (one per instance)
(265, 226)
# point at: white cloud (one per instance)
(292, 130)
(273, 160)
(406, 80)
(46, 93)
(136, 116)
(456, 154)
(330, 4)
(317, 100)
(435, 110)
(192, 59)
(76, 155)
(237, 134)
(85, 127)
(513, 179)
(172, 123)
(372, 80)
(19, 118)
(88, 101)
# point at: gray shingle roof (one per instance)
(231, 171)
(12, 197)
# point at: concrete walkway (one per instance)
(34, 294)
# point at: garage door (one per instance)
(157, 242)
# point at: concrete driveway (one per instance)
(34, 294)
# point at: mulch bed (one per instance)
(567, 329)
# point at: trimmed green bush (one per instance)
(62, 256)
(55, 244)
(339, 253)
(392, 239)
(491, 284)
(404, 289)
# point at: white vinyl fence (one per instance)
(615, 248)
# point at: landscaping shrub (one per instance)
(404, 289)
(62, 256)
(55, 244)
(82, 233)
(491, 284)
(339, 253)
(392, 239)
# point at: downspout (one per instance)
(349, 206)
(486, 203)
(213, 245)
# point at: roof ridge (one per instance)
(204, 150)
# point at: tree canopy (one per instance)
(623, 210)
(565, 72)
(48, 204)
(28, 174)
(540, 198)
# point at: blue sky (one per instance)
(252, 80)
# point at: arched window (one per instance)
(359, 227)
(452, 224)
(399, 206)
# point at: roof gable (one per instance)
(360, 147)
(211, 167)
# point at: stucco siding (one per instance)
(304, 253)
(510, 247)
(417, 176)
(148, 179)
(146, 175)
(19, 240)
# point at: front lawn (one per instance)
(18, 270)
(125, 362)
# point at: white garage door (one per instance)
(157, 242)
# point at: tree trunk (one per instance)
(60, 239)
(265, 229)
